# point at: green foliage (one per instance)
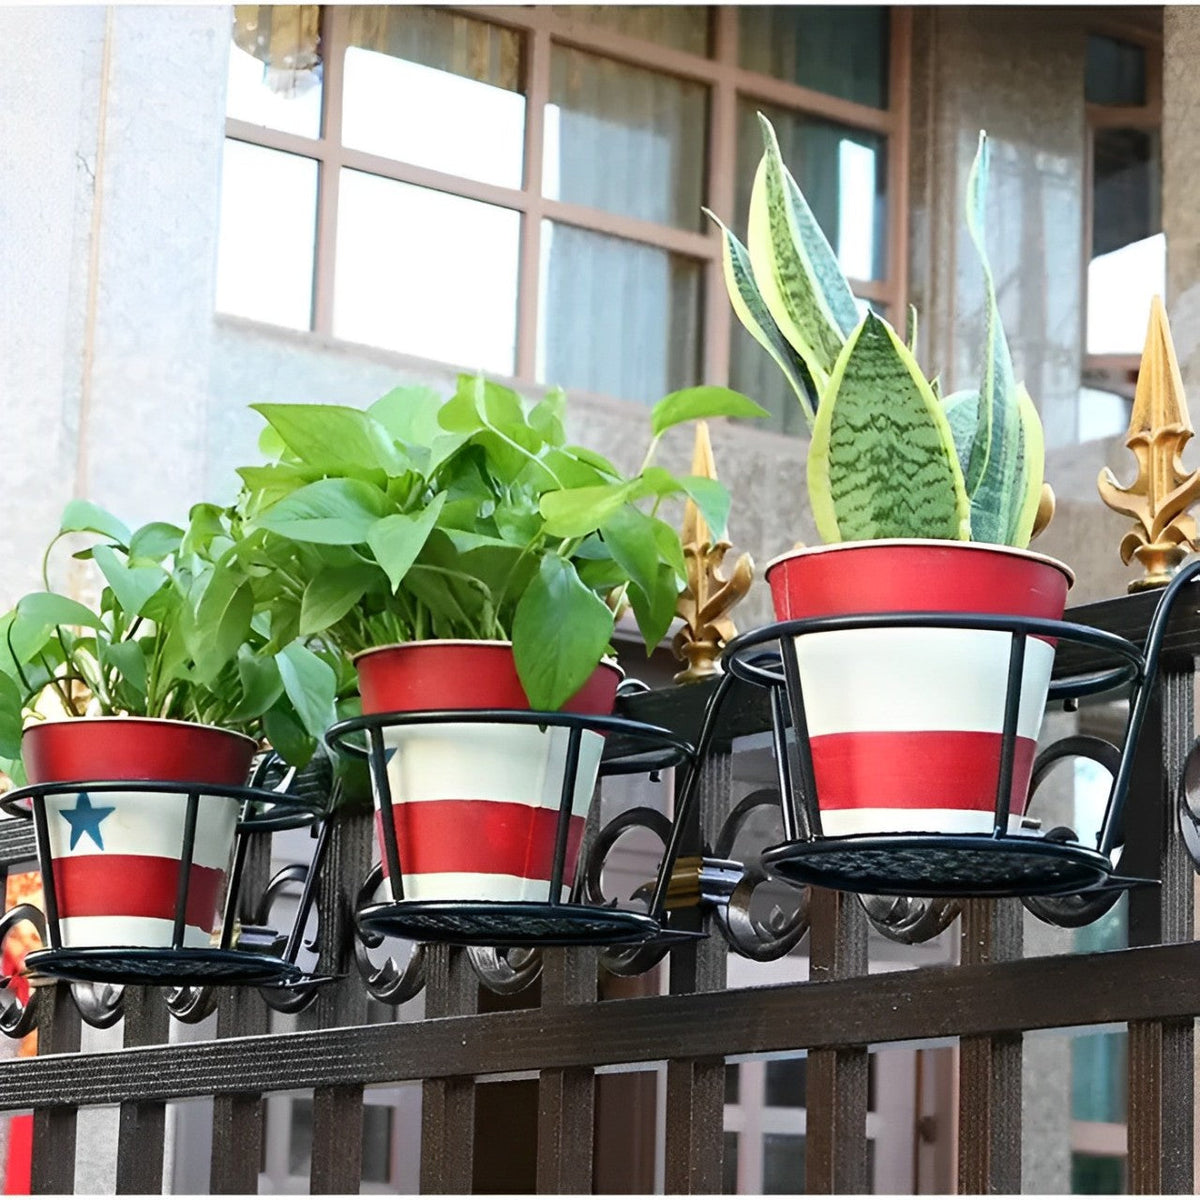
(173, 634)
(889, 457)
(469, 518)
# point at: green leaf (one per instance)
(310, 684)
(47, 609)
(11, 718)
(576, 512)
(1033, 451)
(655, 610)
(751, 309)
(795, 269)
(630, 538)
(206, 522)
(696, 403)
(331, 594)
(155, 541)
(397, 540)
(548, 416)
(287, 735)
(882, 461)
(561, 630)
(129, 659)
(132, 586)
(993, 476)
(222, 622)
(335, 439)
(409, 414)
(711, 497)
(260, 682)
(81, 516)
(329, 512)
(962, 413)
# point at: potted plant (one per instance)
(927, 504)
(170, 676)
(463, 555)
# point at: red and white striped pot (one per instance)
(116, 855)
(905, 724)
(475, 805)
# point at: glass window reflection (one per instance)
(426, 273)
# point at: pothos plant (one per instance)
(890, 457)
(472, 517)
(169, 636)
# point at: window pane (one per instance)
(268, 229)
(783, 1164)
(680, 26)
(786, 1082)
(300, 1131)
(275, 68)
(733, 1083)
(1115, 72)
(840, 51)
(842, 172)
(437, 90)
(616, 317)
(1128, 265)
(1097, 1175)
(625, 140)
(426, 273)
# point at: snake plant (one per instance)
(890, 457)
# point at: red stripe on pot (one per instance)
(133, 885)
(922, 769)
(479, 836)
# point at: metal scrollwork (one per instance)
(100, 1005)
(18, 1017)
(388, 982)
(910, 920)
(625, 960)
(191, 1005)
(1189, 803)
(758, 937)
(1082, 908)
(505, 970)
(298, 998)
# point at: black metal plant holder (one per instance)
(999, 863)
(631, 747)
(252, 959)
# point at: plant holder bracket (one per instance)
(249, 960)
(631, 747)
(999, 863)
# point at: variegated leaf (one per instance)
(795, 269)
(753, 313)
(882, 461)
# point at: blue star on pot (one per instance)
(85, 817)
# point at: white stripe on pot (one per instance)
(518, 764)
(79, 932)
(148, 823)
(846, 822)
(471, 885)
(867, 680)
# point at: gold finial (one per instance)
(705, 603)
(1158, 499)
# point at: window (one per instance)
(1125, 245)
(519, 190)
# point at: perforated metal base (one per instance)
(513, 923)
(163, 967)
(923, 864)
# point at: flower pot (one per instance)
(905, 724)
(116, 855)
(475, 805)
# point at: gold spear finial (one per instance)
(705, 602)
(1158, 499)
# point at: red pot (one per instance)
(905, 724)
(475, 806)
(115, 855)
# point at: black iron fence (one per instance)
(561, 1018)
